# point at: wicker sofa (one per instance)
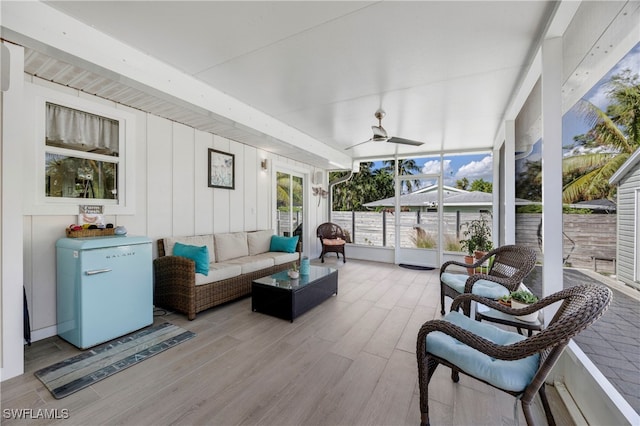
(235, 259)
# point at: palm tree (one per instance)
(365, 186)
(529, 186)
(283, 183)
(462, 183)
(349, 195)
(405, 167)
(616, 132)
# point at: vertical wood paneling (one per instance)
(263, 193)
(159, 188)
(136, 224)
(221, 197)
(236, 196)
(203, 202)
(172, 197)
(183, 180)
(45, 231)
(27, 259)
(251, 171)
(627, 219)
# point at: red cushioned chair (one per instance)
(333, 240)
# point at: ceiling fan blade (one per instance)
(404, 141)
(358, 144)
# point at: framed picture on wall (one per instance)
(221, 169)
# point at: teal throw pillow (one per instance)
(200, 255)
(285, 244)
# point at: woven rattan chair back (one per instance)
(509, 266)
(330, 233)
(580, 307)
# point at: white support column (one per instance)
(509, 201)
(497, 225)
(398, 186)
(552, 166)
(11, 278)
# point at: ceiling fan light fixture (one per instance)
(380, 134)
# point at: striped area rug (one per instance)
(78, 372)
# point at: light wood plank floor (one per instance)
(349, 361)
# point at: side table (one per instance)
(491, 315)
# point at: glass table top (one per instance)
(282, 280)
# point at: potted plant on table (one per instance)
(294, 272)
(478, 239)
(521, 299)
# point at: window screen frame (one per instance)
(36, 202)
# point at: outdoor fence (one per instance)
(585, 236)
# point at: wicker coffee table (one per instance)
(280, 296)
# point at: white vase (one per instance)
(294, 274)
(527, 318)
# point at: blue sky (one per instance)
(572, 123)
(480, 166)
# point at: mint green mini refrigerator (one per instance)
(104, 288)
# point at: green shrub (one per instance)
(451, 243)
(423, 239)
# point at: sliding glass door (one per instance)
(289, 203)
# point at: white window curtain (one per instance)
(73, 129)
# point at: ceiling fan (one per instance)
(380, 134)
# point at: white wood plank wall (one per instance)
(171, 198)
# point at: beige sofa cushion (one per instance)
(252, 263)
(280, 258)
(197, 240)
(231, 245)
(259, 241)
(218, 272)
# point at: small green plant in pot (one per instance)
(293, 272)
(477, 240)
(524, 297)
(521, 299)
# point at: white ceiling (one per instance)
(444, 71)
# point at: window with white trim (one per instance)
(81, 154)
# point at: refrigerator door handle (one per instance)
(98, 271)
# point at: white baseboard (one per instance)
(43, 333)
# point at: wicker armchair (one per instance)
(503, 359)
(333, 240)
(510, 264)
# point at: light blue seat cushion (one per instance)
(484, 288)
(510, 375)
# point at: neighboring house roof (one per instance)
(434, 188)
(625, 168)
(477, 198)
(455, 197)
(602, 204)
(422, 197)
(473, 198)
